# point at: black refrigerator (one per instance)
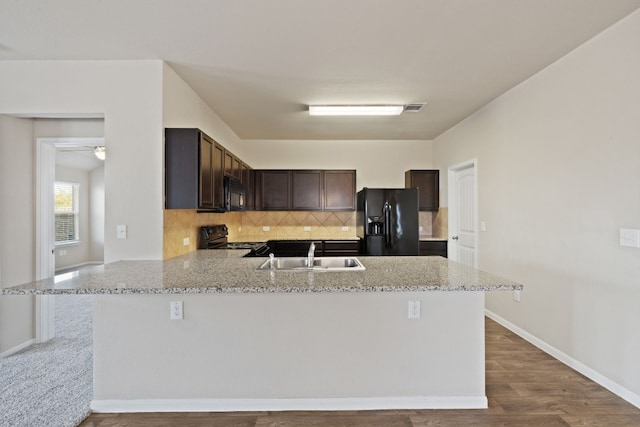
(387, 221)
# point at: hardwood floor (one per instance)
(525, 387)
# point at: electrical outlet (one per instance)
(516, 295)
(345, 228)
(176, 310)
(266, 228)
(414, 310)
(185, 241)
(306, 228)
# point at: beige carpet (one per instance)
(50, 384)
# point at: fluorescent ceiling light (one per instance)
(355, 110)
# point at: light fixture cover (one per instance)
(355, 110)
(100, 152)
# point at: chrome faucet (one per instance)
(310, 254)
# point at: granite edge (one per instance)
(259, 290)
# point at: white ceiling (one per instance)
(81, 158)
(259, 63)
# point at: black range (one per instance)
(215, 237)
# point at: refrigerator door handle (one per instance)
(387, 224)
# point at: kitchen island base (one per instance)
(289, 351)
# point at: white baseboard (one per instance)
(595, 376)
(82, 264)
(320, 404)
(18, 348)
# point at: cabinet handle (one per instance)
(454, 237)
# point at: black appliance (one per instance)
(215, 237)
(387, 221)
(234, 195)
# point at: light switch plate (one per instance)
(121, 231)
(630, 237)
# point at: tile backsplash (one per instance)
(181, 224)
(250, 226)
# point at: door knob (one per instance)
(454, 237)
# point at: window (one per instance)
(66, 211)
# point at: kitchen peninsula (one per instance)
(272, 340)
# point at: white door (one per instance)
(463, 214)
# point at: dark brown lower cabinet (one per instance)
(300, 248)
(433, 248)
(341, 248)
(294, 248)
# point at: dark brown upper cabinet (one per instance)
(232, 165)
(218, 175)
(305, 189)
(195, 170)
(189, 170)
(428, 184)
(339, 190)
(273, 190)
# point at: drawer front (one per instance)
(341, 247)
(433, 248)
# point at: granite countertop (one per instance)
(225, 271)
(432, 239)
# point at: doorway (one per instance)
(66, 159)
(463, 213)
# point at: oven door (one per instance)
(234, 197)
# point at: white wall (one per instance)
(378, 163)
(279, 346)
(129, 95)
(558, 176)
(17, 263)
(183, 108)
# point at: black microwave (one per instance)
(234, 196)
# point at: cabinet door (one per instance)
(228, 163)
(339, 190)
(275, 190)
(249, 186)
(218, 175)
(428, 184)
(307, 190)
(236, 168)
(182, 168)
(206, 196)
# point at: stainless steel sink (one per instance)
(319, 264)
